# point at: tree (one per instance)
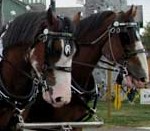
(146, 36)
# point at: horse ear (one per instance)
(51, 17)
(76, 18)
(132, 11)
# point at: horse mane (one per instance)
(93, 22)
(23, 29)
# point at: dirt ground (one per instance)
(117, 129)
(103, 128)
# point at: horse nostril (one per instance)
(58, 99)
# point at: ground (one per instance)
(103, 128)
(117, 129)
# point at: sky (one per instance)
(146, 8)
(145, 3)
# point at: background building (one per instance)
(93, 6)
(13, 8)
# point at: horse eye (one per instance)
(125, 38)
(56, 48)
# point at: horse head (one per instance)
(53, 62)
(128, 48)
(38, 48)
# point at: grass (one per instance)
(129, 114)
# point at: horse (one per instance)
(113, 35)
(38, 48)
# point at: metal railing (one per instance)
(65, 126)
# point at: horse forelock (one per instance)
(23, 29)
(66, 25)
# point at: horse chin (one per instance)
(132, 81)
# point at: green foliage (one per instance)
(147, 30)
(129, 115)
(146, 36)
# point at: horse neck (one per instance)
(88, 54)
(11, 66)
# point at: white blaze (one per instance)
(142, 58)
(62, 88)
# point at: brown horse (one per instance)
(37, 55)
(114, 35)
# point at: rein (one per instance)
(96, 66)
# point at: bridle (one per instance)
(121, 27)
(116, 28)
(47, 37)
(18, 104)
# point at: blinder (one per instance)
(48, 37)
(122, 27)
(52, 36)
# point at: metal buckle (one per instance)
(66, 128)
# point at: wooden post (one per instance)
(109, 81)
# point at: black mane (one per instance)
(23, 29)
(93, 22)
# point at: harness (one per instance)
(115, 28)
(18, 104)
(81, 94)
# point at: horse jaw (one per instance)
(139, 75)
